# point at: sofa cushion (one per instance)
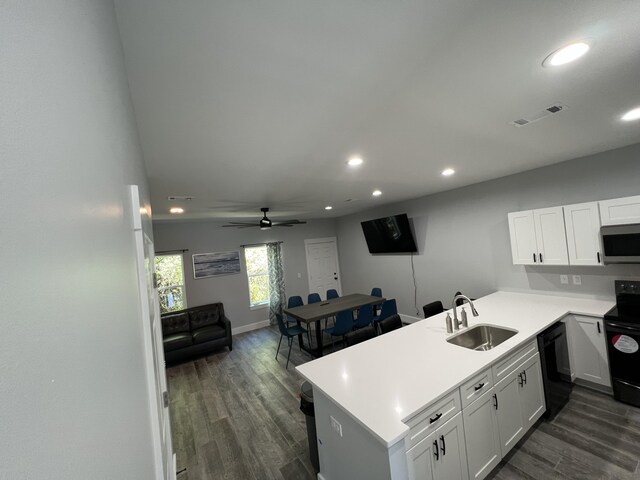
(175, 323)
(206, 334)
(177, 340)
(206, 315)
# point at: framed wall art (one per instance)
(215, 264)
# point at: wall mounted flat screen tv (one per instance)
(389, 235)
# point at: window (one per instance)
(258, 275)
(170, 275)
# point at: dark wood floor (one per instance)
(235, 415)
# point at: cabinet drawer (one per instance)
(429, 419)
(475, 387)
(510, 362)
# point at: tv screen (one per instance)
(389, 235)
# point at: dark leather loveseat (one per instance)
(194, 331)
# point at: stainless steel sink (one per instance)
(482, 337)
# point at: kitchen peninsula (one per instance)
(399, 406)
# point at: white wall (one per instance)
(233, 290)
(463, 235)
(72, 390)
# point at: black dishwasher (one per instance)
(554, 361)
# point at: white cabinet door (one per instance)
(452, 464)
(482, 436)
(587, 342)
(531, 392)
(583, 233)
(620, 211)
(420, 458)
(523, 238)
(551, 237)
(509, 411)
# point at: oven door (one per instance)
(623, 347)
(621, 243)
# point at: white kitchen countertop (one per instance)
(390, 378)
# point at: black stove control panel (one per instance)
(627, 287)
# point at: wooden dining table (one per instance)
(316, 312)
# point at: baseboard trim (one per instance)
(594, 386)
(248, 328)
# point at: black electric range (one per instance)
(622, 328)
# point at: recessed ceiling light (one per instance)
(376, 193)
(176, 210)
(631, 115)
(566, 54)
(447, 172)
(355, 161)
(328, 207)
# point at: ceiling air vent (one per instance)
(179, 197)
(550, 110)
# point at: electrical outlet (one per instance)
(299, 275)
(577, 280)
(336, 426)
(564, 279)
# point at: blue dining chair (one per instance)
(343, 325)
(290, 333)
(389, 308)
(332, 293)
(376, 292)
(365, 316)
(313, 298)
(294, 301)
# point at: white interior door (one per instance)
(322, 265)
(153, 351)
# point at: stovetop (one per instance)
(627, 309)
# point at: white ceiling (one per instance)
(244, 104)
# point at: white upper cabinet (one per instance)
(523, 238)
(583, 233)
(538, 237)
(550, 236)
(620, 211)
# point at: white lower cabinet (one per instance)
(442, 455)
(482, 435)
(473, 441)
(509, 411)
(532, 392)
(497, 420)
(587, 344)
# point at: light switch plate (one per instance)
(336, 426)
(299, 275)
(577, 280)
(564, 279)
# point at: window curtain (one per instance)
(276, 281)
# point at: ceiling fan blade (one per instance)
(290, 222)
(241, 225)
(282, 225)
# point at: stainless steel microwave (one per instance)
(621, 243)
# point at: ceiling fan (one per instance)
(265, 223)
